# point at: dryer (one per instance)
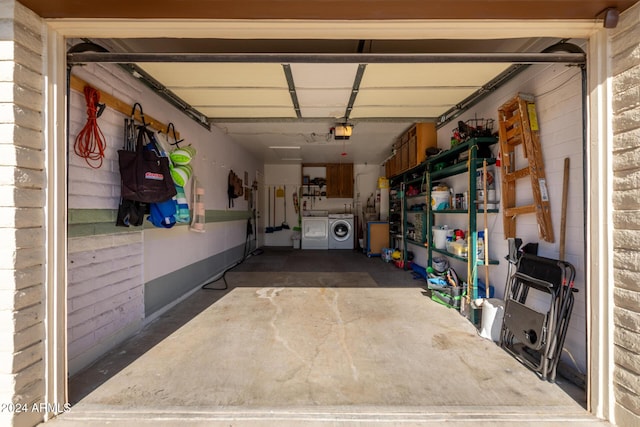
(315, 230)
(341, 231)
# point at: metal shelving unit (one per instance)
(424, 175)
(412, 178)
(454, 167)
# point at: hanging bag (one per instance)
(145, 175)
(163, 214)
(234, 187)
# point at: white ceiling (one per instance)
(252, 103)
(224, 91)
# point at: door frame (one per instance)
(599, 302)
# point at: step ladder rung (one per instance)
(519, 210)
(510, 105)
(514, 140)
(510, 122)
(514, 134)
(520, 173)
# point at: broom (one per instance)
(275, 227)
(486, 231)
(269, 228)
(285, 226)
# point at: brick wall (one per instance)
(626, 204)
(22, 219)
(105, 294)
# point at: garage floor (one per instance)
(315, 338)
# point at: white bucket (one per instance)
(492, 313)
(439, 200)
(439, 238)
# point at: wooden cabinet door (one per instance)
(426, 137)
(340, 180)
(333, 180)
(404, 162)
(413, 158)
(397, 160)
(346, 180)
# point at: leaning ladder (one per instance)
(519, 126)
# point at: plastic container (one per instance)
(440, 237)
(439, 200)
(459, 248)
(295, 238)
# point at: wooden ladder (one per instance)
(519, 126)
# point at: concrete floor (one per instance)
(315, 338)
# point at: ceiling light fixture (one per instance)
(342, 131)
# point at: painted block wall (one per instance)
(109, 274)
(625, 45)
(22, 218)
(557, 91)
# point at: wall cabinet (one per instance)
(338, 179)
(410, 148)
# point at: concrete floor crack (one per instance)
(342, 332)
(271, 294)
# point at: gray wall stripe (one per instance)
(164, 290)
(90, 222)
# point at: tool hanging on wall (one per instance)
(90, 142)
(269, 228)
(563, 216)
(275, 219)
(471, 269)
(235, 188)
(519, 126)
(285, 226)
(485, 242)
(296, 203)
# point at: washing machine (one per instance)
(341, 231)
